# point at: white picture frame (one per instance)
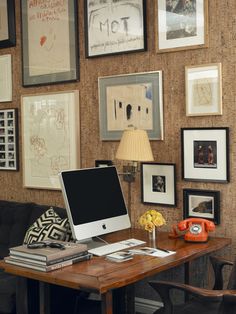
(54, 147)
(203, 90)
(5, 78)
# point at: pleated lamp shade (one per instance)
(134, 145)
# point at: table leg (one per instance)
(107, 303)
(44, 297)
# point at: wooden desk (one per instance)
(102, 276)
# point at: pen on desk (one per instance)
(164, 250)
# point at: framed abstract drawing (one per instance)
(203, 90)
(49, 42)
(205, 154)
(7, 24)
(202, 204)
(181, 25)
(113, 27)
(50, 134)
(131, 99)
(158, 184)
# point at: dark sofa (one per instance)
(15, 219)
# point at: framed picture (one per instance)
(132, 99)
(7, 24)
(202, 204)
(49, 42)
(113, 27)
(8, 139)
(5, 78)
(203, 90)
(50, 131)
(103, 163)
(205, 154)
(158, 184)
(181, 25)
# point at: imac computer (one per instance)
(94, 202)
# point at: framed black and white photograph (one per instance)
(202, 204)
(158, 183)
(103, 163)
(131, 99)
(49, 42)
(181, 25)
(8, 139)
(113, 27)
(205, 154)
(7, 24)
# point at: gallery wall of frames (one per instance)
(72, 81)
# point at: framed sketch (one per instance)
(49, 42)
(50, 131)
(202, 204)
(158, 184)
(5, 78)
(203, 90)
(8, 139)
(7, 24)
(132, 99)
(205, 154)
(113, 27)
(181, 25)
(103, 163)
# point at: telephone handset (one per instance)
(196, 229)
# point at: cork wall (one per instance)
(221, 49)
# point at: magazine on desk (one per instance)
(49, 254)
(157, 252)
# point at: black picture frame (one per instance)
(205, 154)
(158, 183)
(103, 163)
(102, 25)
(9, 149)
(49, 46)
(9, 25)
(201, 204)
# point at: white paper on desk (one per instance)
(151, 252)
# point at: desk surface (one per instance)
(101, 275)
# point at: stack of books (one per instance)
(48, 258)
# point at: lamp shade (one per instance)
(134, 145)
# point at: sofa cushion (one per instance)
(49, 226)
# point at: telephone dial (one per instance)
(196, 229)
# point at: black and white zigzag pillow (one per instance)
(49, 226)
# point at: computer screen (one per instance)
(94, 201)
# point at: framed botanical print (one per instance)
(7, 23)
(181, 25)
(131, 99)
(49, 42)
(113, 27)
(205, 154)
(203, 88)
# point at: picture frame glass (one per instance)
(113, 27)
(7, 24)
(203, 90)
(181, 24)
(50, 137)
(133, 99)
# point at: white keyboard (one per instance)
(114, 247)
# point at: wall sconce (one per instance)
(134, 147)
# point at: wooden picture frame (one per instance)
(114, 27)
(49, 44)
(8, 24)
(201, 204)
(50, 131)
(203, 86)
(181, 26)
(9, 139)
(158, 183)
(5, 78)
(131, 99)
(205, 154)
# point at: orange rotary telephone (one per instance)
(196, 229)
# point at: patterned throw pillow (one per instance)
(49, 226)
